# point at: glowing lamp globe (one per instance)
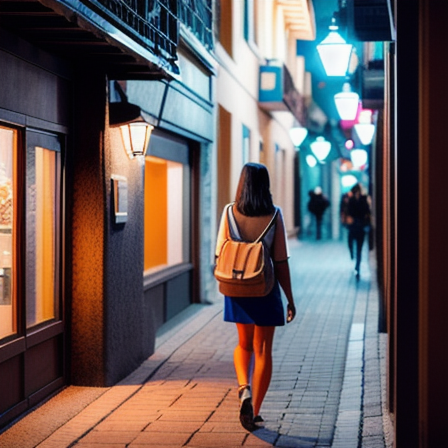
(347, 103)
(348, 180)
(335, 52)
(136, 138)
(298, 135)
(364, 128)
(321, 148)
(311, 161)
(359, 157)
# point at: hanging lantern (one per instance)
(359, 157)
(311, 161)
(298, 135)
(335, 52)
(321, 148)
(347, 103)
(364, 128)
(348, 180)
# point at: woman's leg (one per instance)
(242, 355)
(263, 339)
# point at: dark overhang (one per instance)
(86, 34)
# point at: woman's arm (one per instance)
(283, 276)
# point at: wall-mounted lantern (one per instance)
(134, 125)
(335, 52)
(321, 148)
(347, 103)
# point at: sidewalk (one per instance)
(326, 388)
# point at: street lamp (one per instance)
(321, 148)
(347, 103)
(134, 127)
(335, 52)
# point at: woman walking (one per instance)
(257, 317)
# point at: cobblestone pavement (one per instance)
(326, 389)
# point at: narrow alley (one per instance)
(326, 389)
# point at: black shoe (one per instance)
(258, 419)
(246, 409)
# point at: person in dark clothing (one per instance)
(317, 205)
(358, 220)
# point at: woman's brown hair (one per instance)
(253, 195)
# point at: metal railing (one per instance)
(155, 23)
(197, 15)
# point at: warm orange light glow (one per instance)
(156, 212)
(45, 234)
(8, 301)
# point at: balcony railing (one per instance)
(155, 23)
(197, 15)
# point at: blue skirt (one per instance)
(263, 311)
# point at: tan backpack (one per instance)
(244, 269)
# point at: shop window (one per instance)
(41, 246)
(8, 301)
(167, 194)
(42, 214)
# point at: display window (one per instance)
(8, 302)
(42, 241)
(167, 205)
(30, 252)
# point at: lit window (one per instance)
(42, 240)
(166, 215)
(8, 301)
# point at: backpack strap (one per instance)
(233, 226)
(266, 230)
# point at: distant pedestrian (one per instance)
(257, 317)
(343, 207)
(317, 205)
(358, 220)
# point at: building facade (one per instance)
(261, 94)
(98, 249)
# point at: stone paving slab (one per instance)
(185, 395)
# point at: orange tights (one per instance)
(257, 341)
